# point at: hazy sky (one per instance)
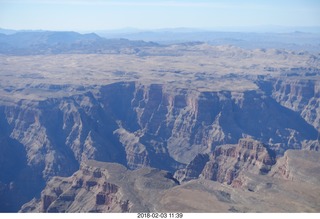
(112, 14)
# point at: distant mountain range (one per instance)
(56, 42)
(60, 42)
(290, 40)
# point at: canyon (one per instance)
(193, 125)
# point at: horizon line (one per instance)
(257, 28)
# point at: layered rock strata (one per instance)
(227, 162)
(140, 125)
(102, 187)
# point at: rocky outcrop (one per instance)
(102, 187)
(107, 187)
(227, 162)
(68, 194)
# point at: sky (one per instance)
(82, 15)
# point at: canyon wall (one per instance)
(154, 125)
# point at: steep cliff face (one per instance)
(227, 162)
(52, 137)
(179, 124)
(19, 182)
(141, 125)
(299, 95)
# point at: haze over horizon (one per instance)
(83, 15)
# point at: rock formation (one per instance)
(102, 187)
(109, 187)
(227, 162)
